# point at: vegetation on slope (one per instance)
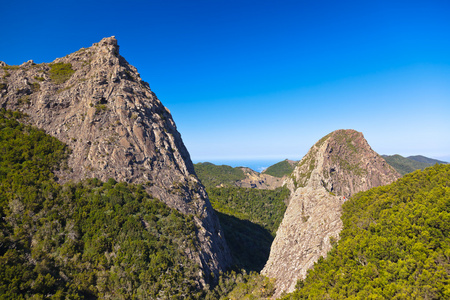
(395, 244)
(280, 169)
(405, 165)
(60, 72)
(212, 175)
(85, 240)
(242, 286)
(263, 207)
(249, 219)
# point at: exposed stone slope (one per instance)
(96, 102)
(257, 180)
(336, 167)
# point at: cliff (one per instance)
(336, 167)
(96, 102)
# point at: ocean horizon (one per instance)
(257, 165)
(261, 164)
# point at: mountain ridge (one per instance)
(421, 158)
(213, 175)
(409, 164)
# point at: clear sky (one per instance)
(266, 79)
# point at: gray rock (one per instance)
(117, 128)
(336, 167)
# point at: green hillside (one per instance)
(395, 244)
(249, 217)
(280, 169)
(405, 165)
(212, 175)
(87, 240)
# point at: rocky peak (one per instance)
(97, 103)
(337, 166)
(109, 43)
(343, 163)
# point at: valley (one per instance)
(99, 199)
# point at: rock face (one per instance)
(96, 102)
(336, 167)
(257, 180)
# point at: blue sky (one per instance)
(266, 79)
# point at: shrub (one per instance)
(60, 72)
(35, 86)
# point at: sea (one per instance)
(257, 165)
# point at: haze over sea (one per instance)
(257, 165)
(261, 164)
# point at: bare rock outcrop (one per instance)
(336, 167)
(257, 180)
(96, 102)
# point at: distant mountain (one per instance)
(281, 168)
(409, 164)
(428, 160)
(404, 165)
(212, 175)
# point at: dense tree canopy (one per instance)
(249, 218)
(263, 207)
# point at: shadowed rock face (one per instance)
(336, 167)
(117, 128)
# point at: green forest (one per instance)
(83, 240)
(249, 217)
(94, 239)
(212, 175)
(395, 244)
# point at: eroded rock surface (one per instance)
(257, 180)
(96, 102)
(336, 167)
